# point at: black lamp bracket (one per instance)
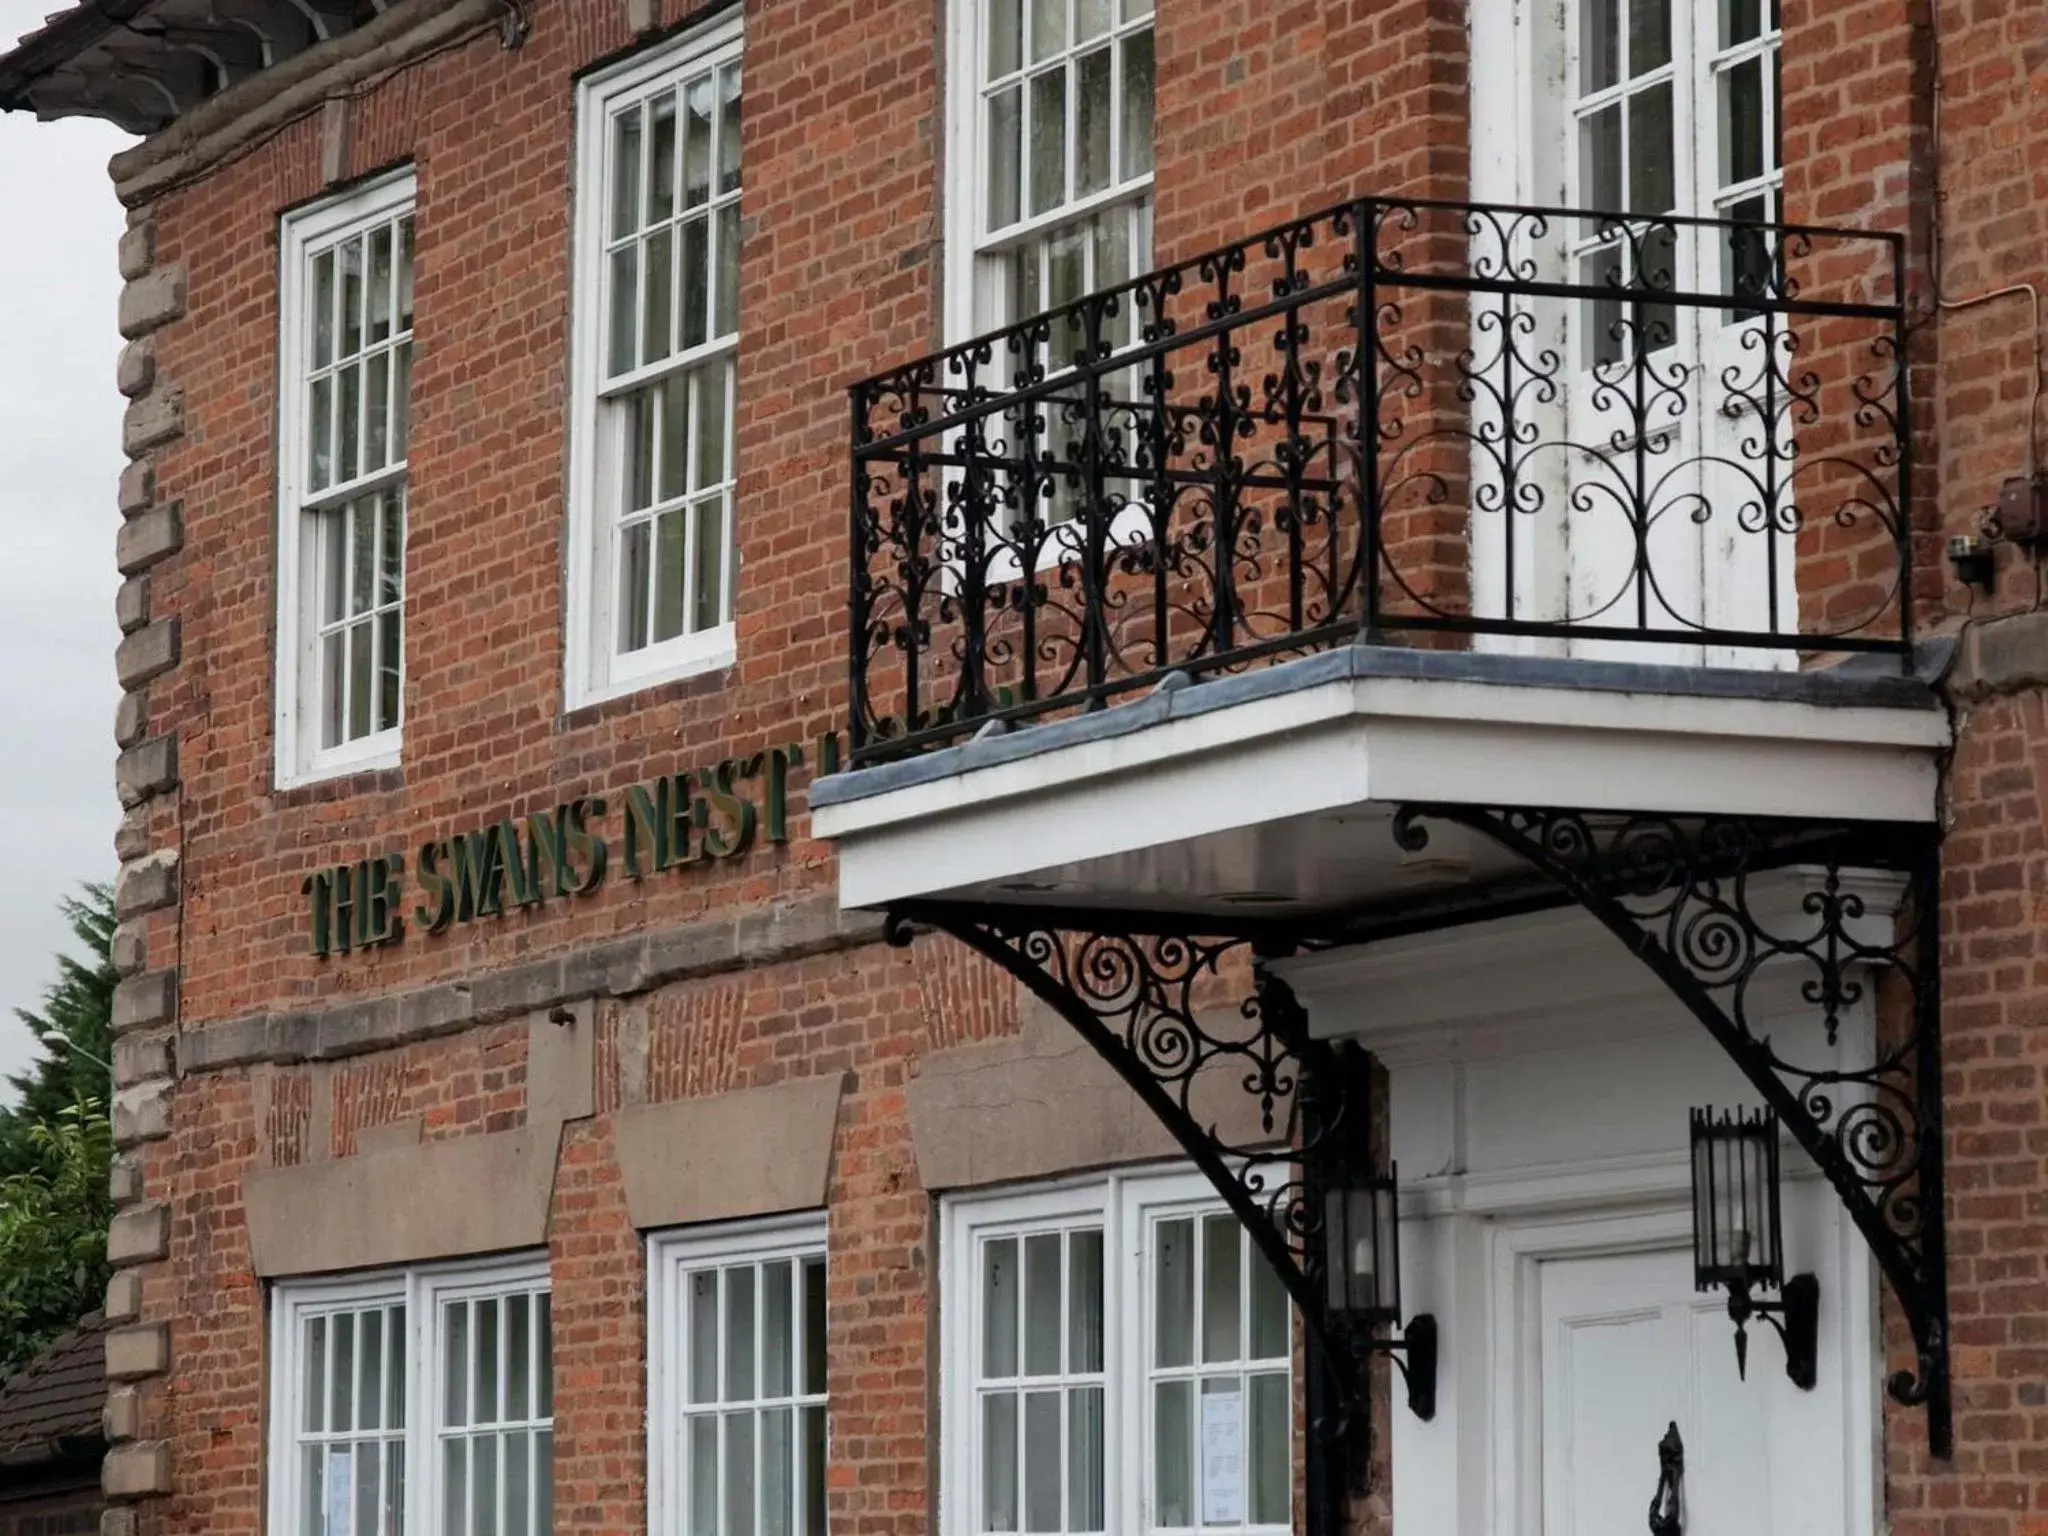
(1796, 1317)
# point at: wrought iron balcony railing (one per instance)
(1523, 429)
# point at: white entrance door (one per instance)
(1628, 1348)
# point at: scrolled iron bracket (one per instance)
(1687, 896)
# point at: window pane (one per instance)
(1091, 132)
(669, 551)
(779, 1328)
(1084, 1459)
(625, 293)
(640, 429)
(323, 309)
(1220, 1283)
(675, 437)
(696, 282)
(320, 434)
(1175, 1276)
(707, 599)
(1048, 28)
(376, 414)
(626, 172)
(657, 329)
(454, 1487)
(370, 1352)
(455, 1398)
(1005, 125)
(1084, 1302)
(544, 1477)
(1270, 1449)
(725, 313)
(1269, 1311)
(661, 164)
(1133, 9)
(394, 1488)
(778, 1471)
(1600, 160)
(391, 575)
(1005, 21)
(1042, 1456)
(351, 297)
(518, 1360)
(380, 284)
(313, 1509)
(633, 578)
(999, 1462)
(1042, 1304)
(739, 1474)
(341, 1412)
(1649, 36)
(1173, 1438)
(347, 421)
(369, 1466)
(729, 130)
(1137, 116)
(394, 1411)
(711, 429)
(699, 102)
(517, 1489)
(401, 393)
(704, 1475)
(544, 1352)
(1738, 21)
(1651, 180)
(1599, 45)
(483, 1489)
(316, 1374)
(739, 1334)
(333, 686)
(1091, 19)
(814, 1325)
(1048, 139)
(405, 273)
(1742, 122)
(999, 1296)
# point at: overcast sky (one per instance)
(60, 454)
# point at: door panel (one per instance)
(1627, 1348)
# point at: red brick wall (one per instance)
(1264, 110)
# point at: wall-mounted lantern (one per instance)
(1737, 1241)
(1362, 1255)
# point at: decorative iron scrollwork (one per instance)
(1715, 906)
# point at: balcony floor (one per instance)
(1273, 791)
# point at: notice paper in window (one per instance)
(339, 1485)
(1223, 1456)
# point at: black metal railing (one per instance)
(1399, 421)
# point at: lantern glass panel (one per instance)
(1736, 1238)
(1363, 1252)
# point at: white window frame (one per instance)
(593, 668)
(299, 757)
(1127, 1205)
(669, 1254)
(421, 1290)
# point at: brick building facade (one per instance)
(483, 968)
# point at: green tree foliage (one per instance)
(74, 1027)
(53, 1232)
(55, 1147)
